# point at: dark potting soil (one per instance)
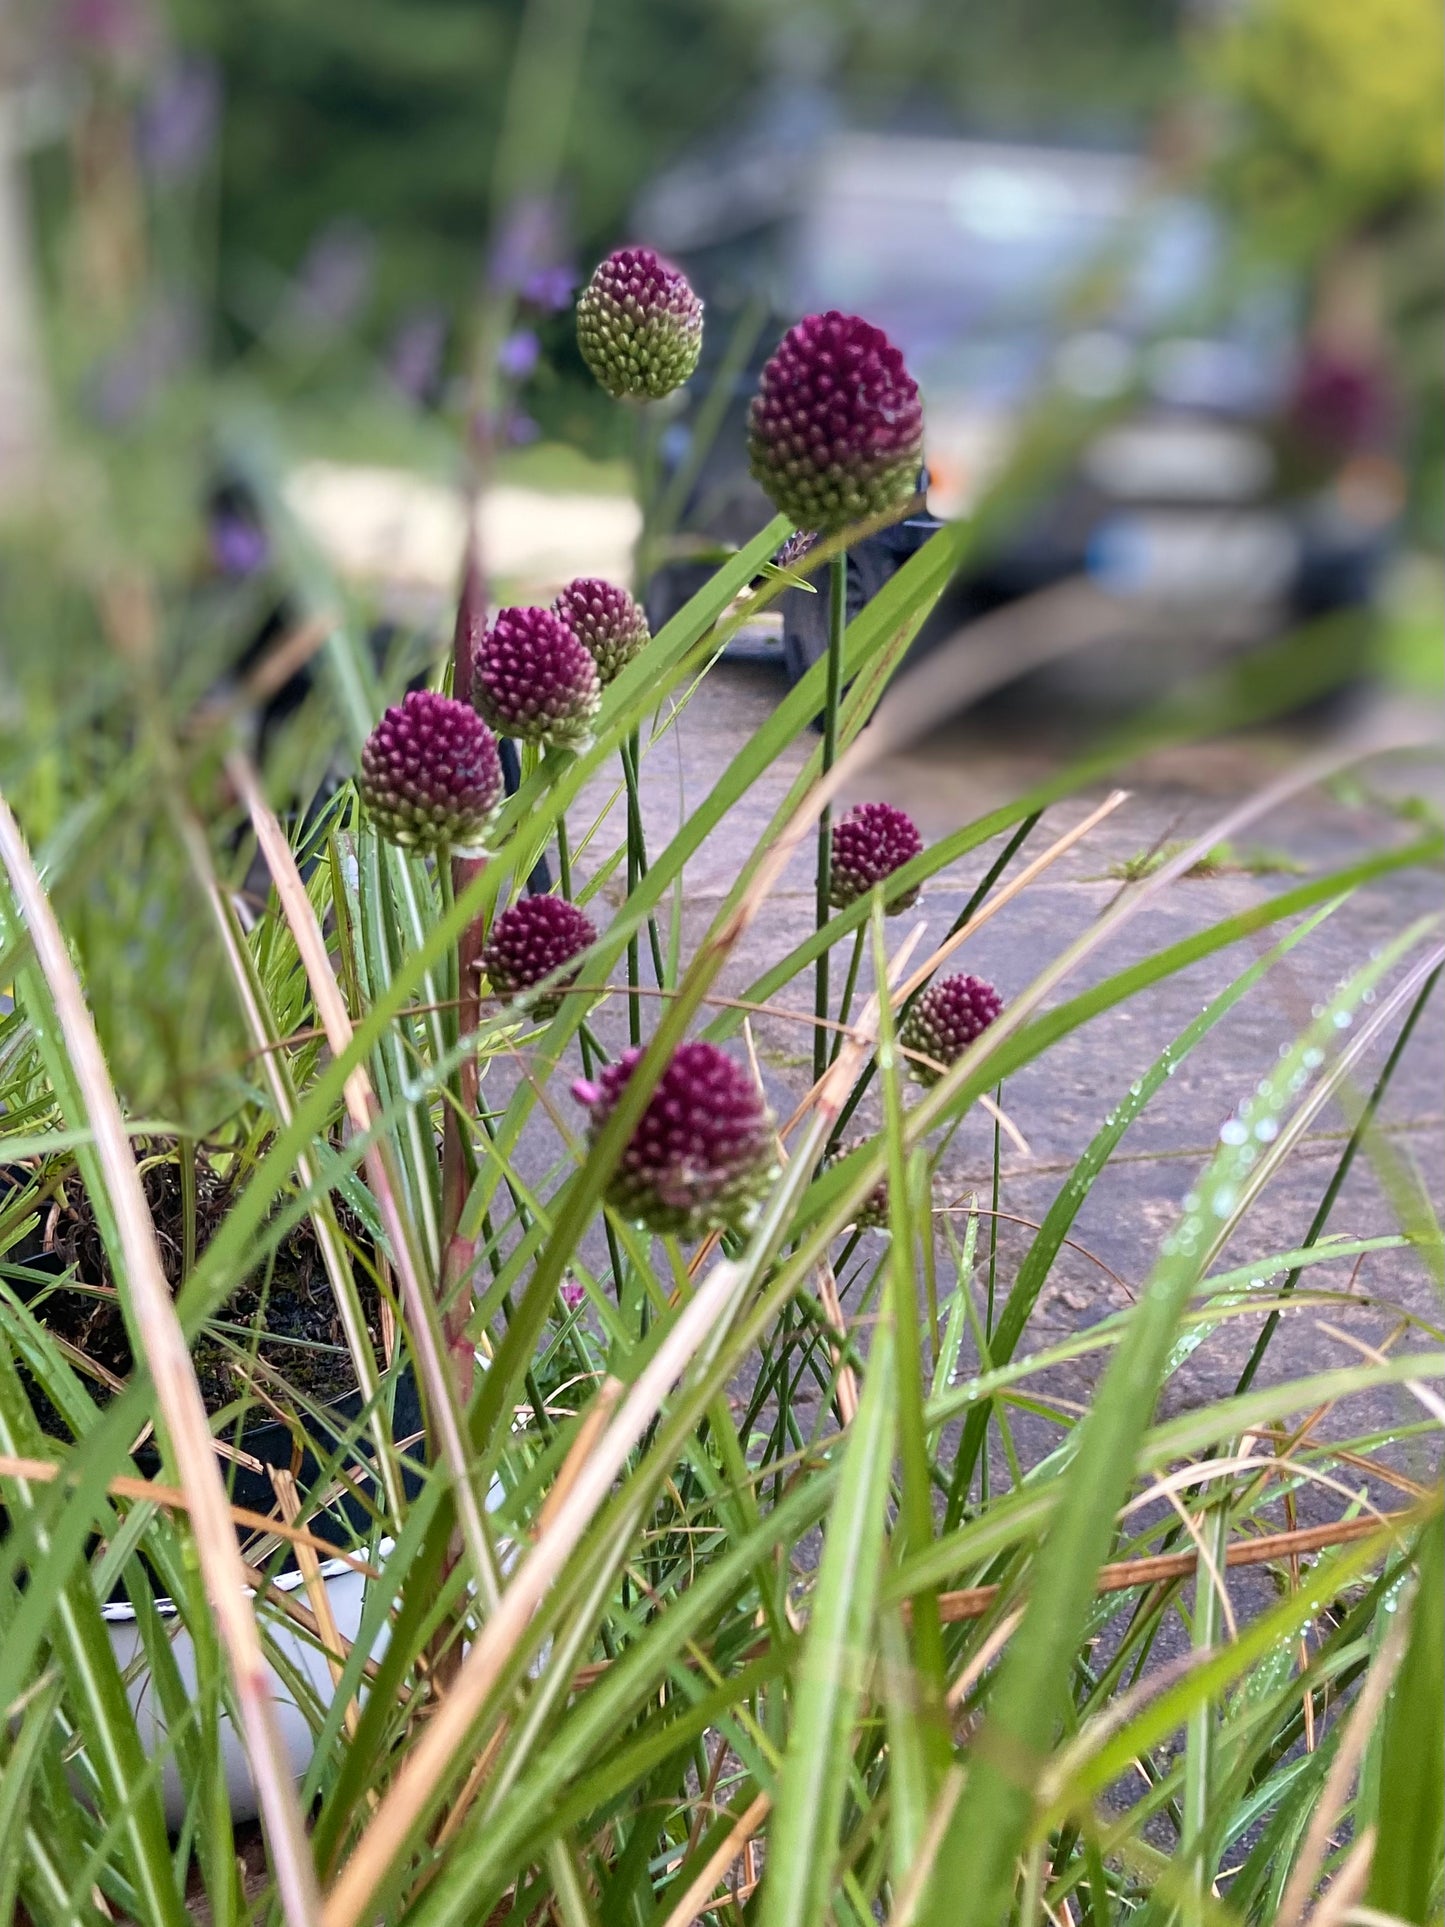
(284, 1315)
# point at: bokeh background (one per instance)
(361, 223)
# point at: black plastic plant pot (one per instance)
(263, 1444)
(296, 1655)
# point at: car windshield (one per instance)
(973, 257)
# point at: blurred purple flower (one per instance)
(238, 544)
(335, 276)
(521, 430)
(519, 355)
(549, 289)
(179, 119)
(160, 346)
(415, 360)
(528, 242)
(107, 27)
(574, 1295)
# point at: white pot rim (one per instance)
(118, 1611)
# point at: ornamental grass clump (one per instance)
(534, 680)
(639, 325)
(531, 942)
(702, 1155)
(431, 776)
(835, 434)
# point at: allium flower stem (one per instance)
(636, 866)
(837, 622)
(454, 876)
(850, 984)
(631, 749)
(645, 434)
(564, 848)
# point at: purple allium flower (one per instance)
(519, 354)
(945, 1021)
(639, 325)
(611, 627)
(836, 429)
(702, 1155)
(431, 775)
(535, 681)
(527, 943)
(870, 843)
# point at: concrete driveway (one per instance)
(973, 766)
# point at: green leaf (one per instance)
(808, 1808)
(1410, 1818)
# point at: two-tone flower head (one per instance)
(835, 433)
(871, 1212)
(609, 624)
(639, 325)
(536, 937)
(945, 1021)
(702, 1155)
(534, 680)
(869, 844)
(431, 775)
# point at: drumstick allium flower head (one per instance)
(431, 775)
(869, 844)
(639, 325)
(945, 1021)
(835, 433)
(535, 681)
(702, 1155)
(609, 624)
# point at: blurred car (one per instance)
(1010, 274)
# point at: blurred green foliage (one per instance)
(387, 112)
(1338, 105)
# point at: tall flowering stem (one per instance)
(459, 1253)
(631, 748)
(850, 984)
(837, 623)
(639, 329)
(835, 436)
(612, 627)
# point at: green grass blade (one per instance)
(803, 1843)
(1410, 1816)
(989, 1826)
(1048, 1241)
